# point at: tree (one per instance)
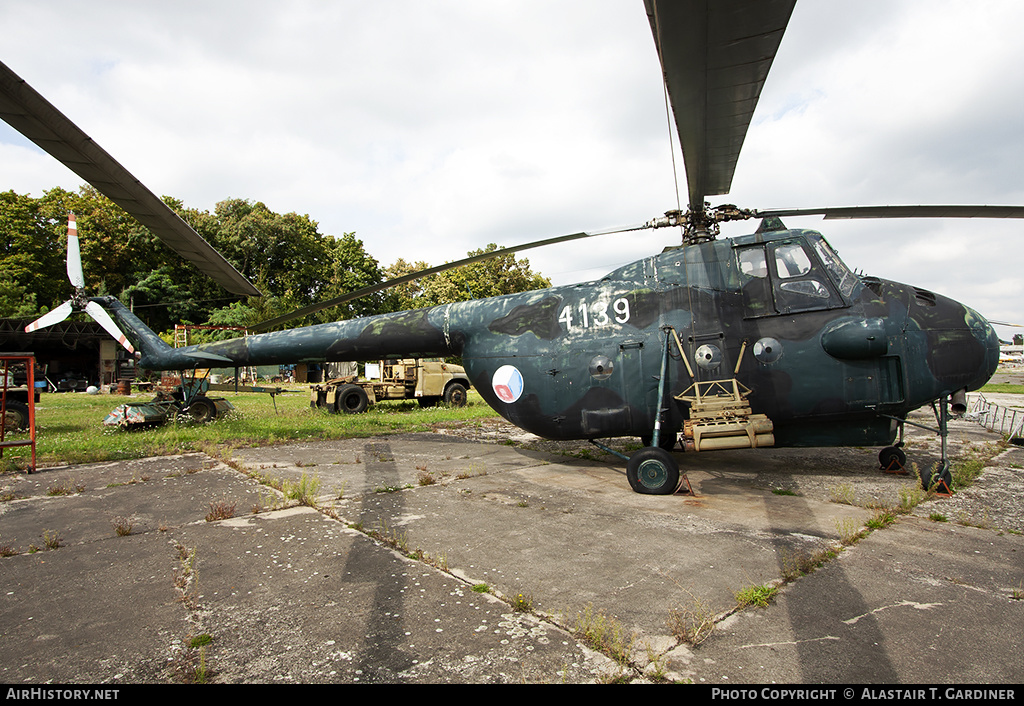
(31, 257)
(499, 275)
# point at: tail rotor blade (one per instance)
(101, 317)
(49, 319)
(74, 255)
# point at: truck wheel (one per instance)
(351, 399)
(455, 395)
(16, 417)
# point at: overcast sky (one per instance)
(434, 127)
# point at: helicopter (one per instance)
(756, 341)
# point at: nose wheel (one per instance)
(894, 459)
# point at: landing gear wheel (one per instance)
(351, 399)
(202, 410)
(653, 471)
(892, 458)
(16, 416)
(455, 395)
(939, 480)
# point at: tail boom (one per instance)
(420, 333)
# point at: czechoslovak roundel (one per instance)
(507, 383)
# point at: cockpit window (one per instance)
(752, 262)
(841, 276)
(791, 261)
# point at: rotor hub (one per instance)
(702, 225)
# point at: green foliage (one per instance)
(496, 276)
(285, 255)
(756, 595)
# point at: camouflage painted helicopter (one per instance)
(755, 341)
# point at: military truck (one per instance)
(429, 382)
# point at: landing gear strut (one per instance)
(939, 479)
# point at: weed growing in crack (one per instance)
(692, 623)
(522, 603)
(123, 525)
(603, 633)
(220, 510)
(68, 487)
(304, 491)
(186, 576)
(850, 531)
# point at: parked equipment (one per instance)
(427, 381)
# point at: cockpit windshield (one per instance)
(840, 274)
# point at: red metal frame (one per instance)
(30, 365)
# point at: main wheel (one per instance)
(653, 471)
(202, 410)
(351, 399)
(16, 416)
(456, 395)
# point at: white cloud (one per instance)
(431, 129)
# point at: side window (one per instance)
(757, 290)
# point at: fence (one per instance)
(1004, 420)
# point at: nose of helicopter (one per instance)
(961, 347)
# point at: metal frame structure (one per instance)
(7, 359)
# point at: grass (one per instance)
(759, 596)
(304, 491)
(603, 632)
(1003, 388)
(69, 426)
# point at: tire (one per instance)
(890, 455)
(351, 399)
(455, 395)
(653, 471)
(202, 410)
(939, 480)
(16, 417)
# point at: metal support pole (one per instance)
(656, 437)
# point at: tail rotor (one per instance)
(79, 301)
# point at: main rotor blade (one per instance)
(52, 317)
(715, 56)
(100, 316)
(313, 308)
(899, 212)
(35, 118)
